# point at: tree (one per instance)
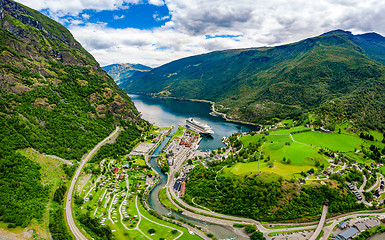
(317, 163)
(257, 236)
(288, 162)
(151, 231)
(190, 161)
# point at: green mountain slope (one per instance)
(48, 79)
(337, 73)
(125, 73)
(55, 98)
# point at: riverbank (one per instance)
(214, 112)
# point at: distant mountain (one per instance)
(338, 75)
(125, 73)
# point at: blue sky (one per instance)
(154, 32)
(140, 16)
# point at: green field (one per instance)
(179, 131)
(149, 222)
(286, 171)
(332, 141)
(288, 131)
(278, 145)
(302, 152)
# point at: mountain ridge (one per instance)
(279, 82)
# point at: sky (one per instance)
(155, 32)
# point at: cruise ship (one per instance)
(198, 127)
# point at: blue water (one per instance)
(166, 112)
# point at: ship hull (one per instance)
(204, 130)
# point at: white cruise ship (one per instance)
(198, 127)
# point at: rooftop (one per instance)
(348, 233)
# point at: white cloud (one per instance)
(86, 16)
(116, 17)
(156, 2)
(258, 22)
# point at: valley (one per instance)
(285, 142)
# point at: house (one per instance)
(182, 189)
(177, 185)
(120, 177)
(116, 170)
(302, 181)
(342, 225)
(126, 166)
(376, 194)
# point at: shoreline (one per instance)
(212, 108)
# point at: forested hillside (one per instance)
(338, 75)
(55, 98)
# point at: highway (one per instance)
(71, 223)
(321, 223)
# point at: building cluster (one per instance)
(180, 183)
(355, 192)
(351, 231)
(181, 148)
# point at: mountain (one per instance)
(54, 98)
(125, 73)
(48, 79)
(337, 75)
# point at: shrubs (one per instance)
(250, 228)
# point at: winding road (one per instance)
(69, 217)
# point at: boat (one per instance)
(198, 127)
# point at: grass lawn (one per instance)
(286, 171)
(377, 135)
(164, 200)
(288, 131)
(382, 170)
(179, 131)
(167, 231)
(332, 141)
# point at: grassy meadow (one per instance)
(302, 153)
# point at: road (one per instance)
(320, 224)
(71, 223)
(377, 184)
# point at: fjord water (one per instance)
(166, 112)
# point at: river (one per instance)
(166, 112)
(380, 236)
